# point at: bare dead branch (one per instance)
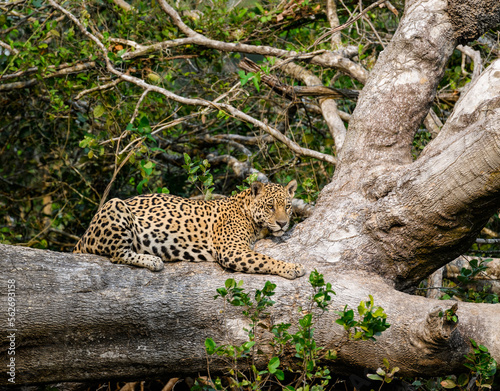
(241, 169)
(8, 47)
(432, 123)
(102, 87)
(321, 57)
(221, 139)
(293, 146)
(255, 140)
(17, 85)
(391, 8)
(349, 22)
(316, 90)
(476, 58)
(63, 71)
(333, 18)
(123, 4)
(328, 106)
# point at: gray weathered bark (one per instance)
(79, 318)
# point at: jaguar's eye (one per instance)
(271, 207)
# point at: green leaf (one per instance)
(307, 138)
(463, 379)
(273, 365)
(210, 345)
(141, 184)
(54, 33)
(99, 111)
(483, 348)
(256, 83)
(448, 383)
(374, 377)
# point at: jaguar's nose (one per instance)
(282, 223)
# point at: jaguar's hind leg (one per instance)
(113, 233)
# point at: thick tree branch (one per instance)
(81, 318)
(400, 89)
(383, 213)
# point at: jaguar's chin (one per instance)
(278, 233)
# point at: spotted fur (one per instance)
(148, 230)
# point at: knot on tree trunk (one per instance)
(433, 333)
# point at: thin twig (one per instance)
(102, 87)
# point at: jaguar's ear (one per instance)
(291, 187)
(257, 189)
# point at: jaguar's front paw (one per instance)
(156, 265)
(293, 271)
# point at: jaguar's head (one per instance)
(271, 205)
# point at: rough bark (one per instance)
(80, 318)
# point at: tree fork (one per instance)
(81, 318)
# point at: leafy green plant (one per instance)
(482, 370)
(450, 314)
(372, 321)
(246, 77)
(384, 375)
(199, 175)
(322, 290)
(253, 309)
(481, 364)
(246, 182)
(466, 277)
(308, 370)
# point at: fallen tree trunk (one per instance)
(81, 318)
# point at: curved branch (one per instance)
(453, 188)
(323, 58)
